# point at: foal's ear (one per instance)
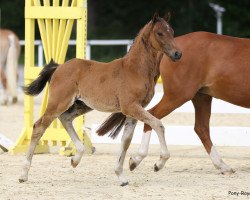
(155, 17)
(167, 17)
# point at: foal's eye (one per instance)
(160, 34)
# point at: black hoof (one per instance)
(21, 180)
(124, 184)
(156, 168)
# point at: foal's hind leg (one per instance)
(202, 105)
(57, 104)
(38, 129)
(126, 140)
(77, 109)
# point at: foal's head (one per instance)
(161, 37)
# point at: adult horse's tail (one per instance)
(38, 84)
(12, 66)
(112, 125)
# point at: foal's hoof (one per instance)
(73, 163)
(156, 168)
(132, 164)
(124, 184)
(93, 150)
(21, 180)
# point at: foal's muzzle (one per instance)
(176, 55)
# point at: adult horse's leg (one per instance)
(4, 84)
(163, 108)
(202, 105)
(77, 109)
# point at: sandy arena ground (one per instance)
(189, 173)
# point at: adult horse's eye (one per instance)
(160, 34)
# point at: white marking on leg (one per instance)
(67, 120)
(164, 156)
(143, 149)
(125, 142)
(218, 162)
(5, 97)
(27, 162)
(25, 171)
(74, 137)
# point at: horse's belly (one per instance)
(243, 102)
(101, 104)
(237, 98)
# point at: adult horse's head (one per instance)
(162, 37)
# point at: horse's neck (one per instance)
(142, 58)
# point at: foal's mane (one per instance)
(144, 31)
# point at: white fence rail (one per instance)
(90, 43)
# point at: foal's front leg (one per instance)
(138, 112)
(142, 152)
(126, 140)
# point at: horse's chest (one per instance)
(148, 94)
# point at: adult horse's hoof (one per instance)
(156, 168)
(14, 100)
(124, 184)
(132, 164)
(73, 163)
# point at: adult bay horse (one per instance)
(211, 66)
(9, 55)
(124, 85)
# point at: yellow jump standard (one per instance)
(55, 24)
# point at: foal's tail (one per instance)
(113, 124)
(11, 66)
(38, 84)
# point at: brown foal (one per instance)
(124, 85)
(212, 66)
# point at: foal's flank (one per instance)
(124, 85)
